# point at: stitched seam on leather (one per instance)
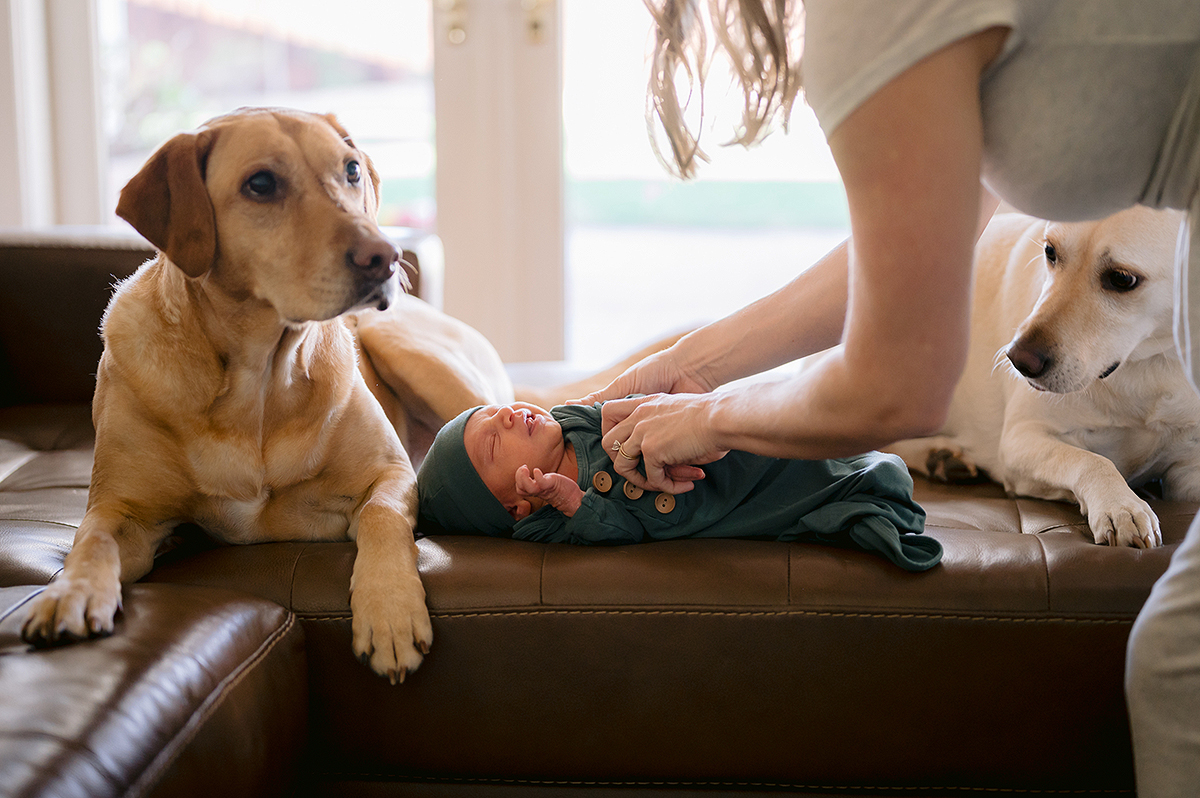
(759, 614)
(171, 751)
(391, 777)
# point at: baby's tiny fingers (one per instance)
(525, 483)
(683, 473)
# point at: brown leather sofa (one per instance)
(683, 668)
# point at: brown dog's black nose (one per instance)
(375, 257)
(1031, 363)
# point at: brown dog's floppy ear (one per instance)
(168, 203)
(373, 196)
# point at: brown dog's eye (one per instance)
(353, 172)
(1119, 281)
(1051, 254)
(261, 185)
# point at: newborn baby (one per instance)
(523, 472)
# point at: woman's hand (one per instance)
(658, 373)
(670, 433)
(557, 490)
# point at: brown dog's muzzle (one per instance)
(372, 259)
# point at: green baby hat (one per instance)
(450, 490)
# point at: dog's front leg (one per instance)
(939, 458)
(83, 599)
(391, 627)
(1182, 482)
(1036, 463)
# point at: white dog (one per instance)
(1073, 389)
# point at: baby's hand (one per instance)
(557, 490)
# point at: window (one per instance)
(647, 254)
(563, 236)
(167, 66)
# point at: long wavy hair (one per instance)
(761, 41)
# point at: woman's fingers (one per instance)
(664, 435)
(684, 473)
(616, 411)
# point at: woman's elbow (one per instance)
(911, 412)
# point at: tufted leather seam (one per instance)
(170, 752)
(14, 608)
(29, 455)
(758, 614)
(738, 784)
(296, 567)
(66, 744)
(40, 521)
(1045, 563)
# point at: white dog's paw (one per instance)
(72, 609)
(391, 628)
(1127, 522)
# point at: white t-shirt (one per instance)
(1090, 108)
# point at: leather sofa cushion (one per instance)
(45, 468)
(721, 663)
(704, 663)
(198, 692)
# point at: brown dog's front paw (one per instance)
(952, 467)
(69, 610)
(392, 632)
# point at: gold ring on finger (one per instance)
(616, 447)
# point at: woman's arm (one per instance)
(910, 160)
(764, 334)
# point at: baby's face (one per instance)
(501, 439)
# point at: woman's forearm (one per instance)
(827, 410)
(802, 317)
(904, 337)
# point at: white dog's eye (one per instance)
(1119, 281)
(1051, 254)
(353, 172)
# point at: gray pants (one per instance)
(1162, 679)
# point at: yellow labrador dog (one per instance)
(1073, 389)
(425, 368)
(229, 393)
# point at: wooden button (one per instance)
(664, 503)
(602, 481)
(633, 491)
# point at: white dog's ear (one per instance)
(168, 203)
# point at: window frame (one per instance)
(51, 141)
(498, 117)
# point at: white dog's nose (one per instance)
(1031, 363)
